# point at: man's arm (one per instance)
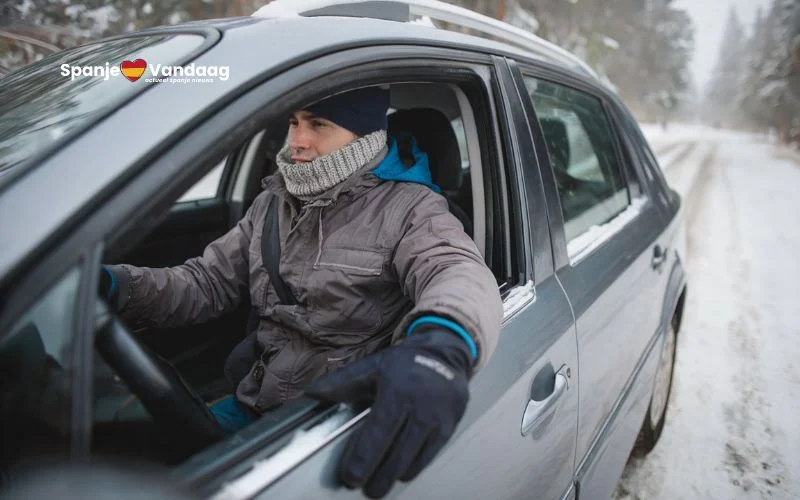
(200, 289)
(444, 274)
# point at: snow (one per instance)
(771, 89)
(103, 16)
(423, 21)
(518, 297)
(277, 8)
(597, 235)
(684, 133)
(610, 42)
(731, 428)
(302, 444)
(521, 18)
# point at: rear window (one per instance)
(52, 99)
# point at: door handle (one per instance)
(536, 410)
(659, 257)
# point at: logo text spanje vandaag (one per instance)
(135, 69)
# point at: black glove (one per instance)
(114, 286)
(420, 391)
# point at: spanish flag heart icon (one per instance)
(133, 70)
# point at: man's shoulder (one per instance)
(410, 192)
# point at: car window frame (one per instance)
(580, 84)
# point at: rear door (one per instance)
(604, 229)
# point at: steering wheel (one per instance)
(176, 409)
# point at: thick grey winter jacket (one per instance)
(364, 261)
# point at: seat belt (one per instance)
(241, 358)
(271, 252)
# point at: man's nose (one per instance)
(298, 137)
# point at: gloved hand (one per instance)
(419, 390)
(114, 286)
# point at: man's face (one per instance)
(311, 136)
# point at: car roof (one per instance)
(276, 34)
(250, 46)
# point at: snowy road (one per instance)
(733, 424)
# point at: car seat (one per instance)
(557, 141)
(436, 137)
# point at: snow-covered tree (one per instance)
(728, 74)
(769, 92)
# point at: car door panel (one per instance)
(612, 292)
(600, 471)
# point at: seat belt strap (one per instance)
(271, 252)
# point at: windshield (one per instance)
(52, 98)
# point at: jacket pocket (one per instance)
(346, 285)
(357, 262)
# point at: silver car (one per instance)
(116, 152)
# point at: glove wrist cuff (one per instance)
(429, 323)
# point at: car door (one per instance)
(604, 236)
(517, 437)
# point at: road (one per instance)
(733, 421)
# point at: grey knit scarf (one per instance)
(308, 180)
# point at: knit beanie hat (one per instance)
(360, 111)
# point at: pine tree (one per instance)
(723, 88)
(749, 99)
(778, 77)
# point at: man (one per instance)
(373, 257)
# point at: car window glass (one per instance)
(207, 187)
(580, 145)
(40, 105)
(36, 377)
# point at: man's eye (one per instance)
(318, 124)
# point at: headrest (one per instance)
(557, 140)
(435, 136)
